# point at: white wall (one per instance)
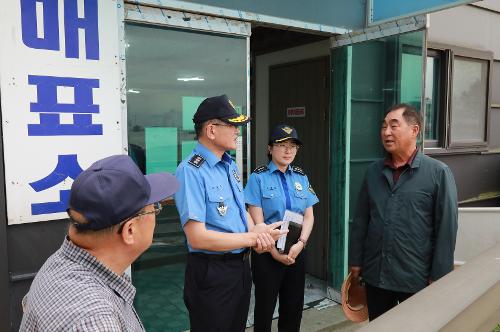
(263, 63)
(468, 26)
(478, 230)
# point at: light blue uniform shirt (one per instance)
(211, 192)
(275, 192)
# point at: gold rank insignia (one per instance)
(287, 130)
(298, 186)
(239, 119)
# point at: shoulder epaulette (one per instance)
(297, 169)
(261, 169)
(196, 160)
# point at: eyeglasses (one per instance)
(157, 209)
(285, 147)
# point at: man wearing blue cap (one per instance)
(82, 286)
(213, 215)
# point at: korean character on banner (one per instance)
(50, 109)
(49, 18)
(67, 166)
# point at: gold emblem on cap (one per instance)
(287, 130)
(241, 118)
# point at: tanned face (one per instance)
(398, 136)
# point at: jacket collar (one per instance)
(272, 167)
(210, 157)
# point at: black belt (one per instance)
(243, 256)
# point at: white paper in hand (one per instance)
(289, 216)
(280, 245)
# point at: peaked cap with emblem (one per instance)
(282, 133)
(219, 107)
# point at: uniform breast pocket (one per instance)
(271, 197)
(300, 199)
(218, 203)
(271, 193)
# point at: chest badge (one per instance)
(222, 209)
(298, 186)
(236, 176)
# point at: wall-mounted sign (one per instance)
(61, 109)
(382, 11)
(296, 112)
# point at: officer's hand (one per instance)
(259, 248)
(295, 250)
(355, 272)
(283, 259)
(271, 229)
(274, 230)
(264, 243)
(260, 228)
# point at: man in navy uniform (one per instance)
(219, 232)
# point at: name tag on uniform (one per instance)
(236, 176)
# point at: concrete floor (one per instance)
(161, 307)
(330, 318)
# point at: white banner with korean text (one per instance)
(60, 99)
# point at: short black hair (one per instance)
(410, 113)
(198, 127)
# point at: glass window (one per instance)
(469, 98)
(169, 72)
(432, 97)
(456, 99)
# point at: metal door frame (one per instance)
(135, 13)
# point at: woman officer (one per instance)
(270, 191)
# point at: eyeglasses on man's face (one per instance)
(284, 147)
(224, 125)
(157, 209)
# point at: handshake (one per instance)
(266, 236)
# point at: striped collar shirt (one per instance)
(73, 291)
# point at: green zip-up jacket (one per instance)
(404, 234)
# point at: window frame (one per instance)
(442, 101)
(444, 144)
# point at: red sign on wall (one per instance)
(296, 112)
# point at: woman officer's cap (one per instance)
(282, 133)
(219, 107)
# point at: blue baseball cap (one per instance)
(282, 133)
(219, 107)
(114, 189)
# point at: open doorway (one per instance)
(290, 84)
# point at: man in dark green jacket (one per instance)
(404, 230)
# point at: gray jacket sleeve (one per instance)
(359, 226)
(445, 225)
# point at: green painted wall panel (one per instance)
(187, 148)
(189, 106)
(161, 149)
